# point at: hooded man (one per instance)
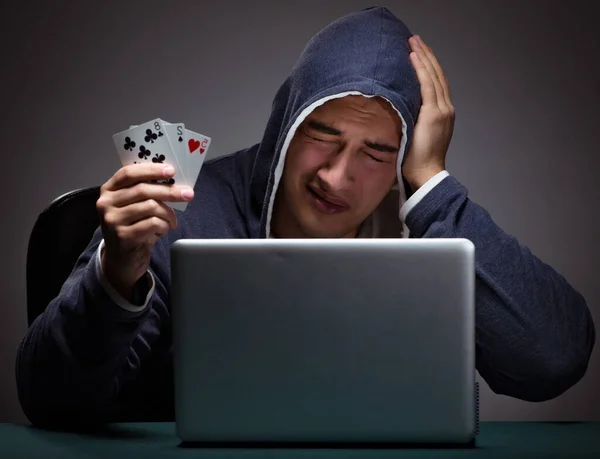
(342, 156)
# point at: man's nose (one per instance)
(336, 173)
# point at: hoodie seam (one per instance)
(378, 54)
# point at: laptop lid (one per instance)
(324, 340)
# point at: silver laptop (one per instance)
(324, 340)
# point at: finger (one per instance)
(130, 215)
(439, 71)
(427, 88)
(144, 231)
(441, 76)
(421, 52)
(157, 191)
(135, 173)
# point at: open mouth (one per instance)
(324, 206)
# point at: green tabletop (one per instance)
(158, 440)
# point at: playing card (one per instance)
(195, 148)
(189, 147)
(148, 143)
(176, 134)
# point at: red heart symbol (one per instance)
(193, 145)
(202, 150)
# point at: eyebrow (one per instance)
(330, 130)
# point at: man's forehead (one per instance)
(330, 112)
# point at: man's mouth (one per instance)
(325, 203)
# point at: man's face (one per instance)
(339, 166)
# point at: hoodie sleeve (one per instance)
(142, 293)
(534, 332)
(79, 354)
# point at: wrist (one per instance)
(122, 287)
(417, 180)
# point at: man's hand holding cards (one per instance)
(161, 162)
(158, 141)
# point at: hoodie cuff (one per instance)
(142, 291)
(438, 207)
(421, 193)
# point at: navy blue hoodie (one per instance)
(87, 358)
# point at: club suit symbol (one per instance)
(129, 144)
(144, 152)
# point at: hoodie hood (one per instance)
(363, 53)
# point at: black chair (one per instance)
(60, 234)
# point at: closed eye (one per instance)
(374, 158)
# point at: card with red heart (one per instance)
(190, 149)
(196, 146)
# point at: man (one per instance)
(341, 156)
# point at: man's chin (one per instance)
(316, 225)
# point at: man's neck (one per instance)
(276, 233)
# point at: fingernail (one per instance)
(168, 171)
(187, 193)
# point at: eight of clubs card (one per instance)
(148, 143)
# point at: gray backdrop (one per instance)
(524, 77)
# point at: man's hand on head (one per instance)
(435, 124)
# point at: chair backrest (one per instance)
(59, 236)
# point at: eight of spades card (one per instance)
(149, 143)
